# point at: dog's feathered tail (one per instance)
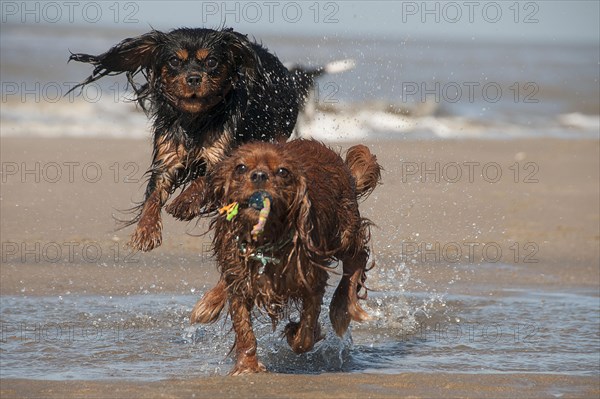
(332, 67)
(304, 78)
(364, 168)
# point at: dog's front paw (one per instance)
(248, 366)
(186, 206)
(145, 238)
(208, 309)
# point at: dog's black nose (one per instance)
(258, 176)
(194, 80)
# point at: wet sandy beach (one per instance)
(478, 228)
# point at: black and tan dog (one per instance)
(207, 92)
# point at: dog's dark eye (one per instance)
(241, 169)
(282, 172)
(211, 63)
(174, 62)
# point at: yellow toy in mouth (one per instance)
(261, 201)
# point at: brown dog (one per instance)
(292, 210)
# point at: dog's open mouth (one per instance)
(195, 98)
(195, 102)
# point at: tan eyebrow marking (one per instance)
(202, 54)
(182, 54)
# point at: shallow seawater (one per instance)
(148, 337)
(505, 90)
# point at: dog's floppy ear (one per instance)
(131, 56)
(307, 224)
(218, 180)
(300, 212)
(248, 63)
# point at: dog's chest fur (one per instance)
(271, 275)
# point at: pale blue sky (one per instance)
(520, 20)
